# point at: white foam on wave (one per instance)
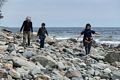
(59, 38)
(108, 42)
(62, 38)
(97, 40)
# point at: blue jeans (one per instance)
(42, 41)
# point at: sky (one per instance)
(62, 13)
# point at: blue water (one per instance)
(107, 34)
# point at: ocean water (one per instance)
(107, 34)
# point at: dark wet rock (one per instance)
(3, 73)
(76, 49)
(74, 73)
(73, 40)
(112, 57)
(69, 51)
(118, 46)
(6, 30)
(80, 54)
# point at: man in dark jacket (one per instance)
(27, 28)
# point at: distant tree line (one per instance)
(1, 4)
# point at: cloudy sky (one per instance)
(62, 13)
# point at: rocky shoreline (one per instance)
(59, 60)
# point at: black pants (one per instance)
(87, 47)
(42, 41)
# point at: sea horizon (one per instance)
(109, 35)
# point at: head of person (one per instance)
(43, 25)
(88, 27)
(28, 18)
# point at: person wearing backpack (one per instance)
(87, 38)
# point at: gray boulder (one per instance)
(73, 40)
(74, 73)
(22, 71)
(11, 47)
(116, 75)
(61, 65)
(97, 57)
(18, 62)
(77, 78)
(49, 40)
(107, 70)
(28, 54)
(91, 71)
(3, 73)
(69, 51)
(55, 75)
(35, 70)
(15, 74)
(116, 64)
(44, 60)
(112, 57)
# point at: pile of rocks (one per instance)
(59, 60)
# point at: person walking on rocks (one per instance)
(87, 38)
(42, 32)
(27, 29)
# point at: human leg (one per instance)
(89, 48)
(28, 33)
(42, 39)
(24, 38)
(86, 49)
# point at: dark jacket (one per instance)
(87, 33)
(27, 26)
(87, 39)
(42, 32)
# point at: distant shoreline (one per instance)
(109, 35)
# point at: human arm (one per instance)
(88, 41)
(93, 32)
(46, 32)
(22, 26)
(80, 35)
(31, 27)
(38, 32)
(97, 33)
